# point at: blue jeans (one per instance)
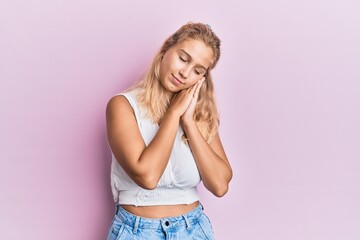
(192, 225)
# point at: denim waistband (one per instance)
(138, 222)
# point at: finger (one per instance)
(198, 87)
(192, 89)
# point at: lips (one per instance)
(176, 79)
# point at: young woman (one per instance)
(163, 133)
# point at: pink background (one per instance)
(288, 88)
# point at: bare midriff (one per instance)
(160, 211)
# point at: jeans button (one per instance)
(167, 223)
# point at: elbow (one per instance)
(220, 192)
(148, 183)
(222, 187)
(144, 178)
(148, 186)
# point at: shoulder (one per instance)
(118, 104)
(117, 101)
(127, 98)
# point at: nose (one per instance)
(185, 72)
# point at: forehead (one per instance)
(197, 49)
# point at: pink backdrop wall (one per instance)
(287, 86)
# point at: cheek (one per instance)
(192, 81)
(163, 67)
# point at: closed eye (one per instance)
(199, 72)
(182, 59)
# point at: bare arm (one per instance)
(144, 164)
(211, 160)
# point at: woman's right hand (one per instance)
(181, 100)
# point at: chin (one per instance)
(171, 88)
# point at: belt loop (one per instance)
(187, 222)
(116, 209)
(136, 224)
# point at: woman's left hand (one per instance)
(188, 115)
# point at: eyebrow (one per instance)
(183, 51)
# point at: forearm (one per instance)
(155, 157)
(215, 170)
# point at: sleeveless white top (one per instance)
(178, 183)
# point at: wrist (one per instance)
(187, 123)
(173, 114)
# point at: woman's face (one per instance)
(185, 64)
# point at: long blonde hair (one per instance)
(156, 100)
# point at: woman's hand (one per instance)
(184, 100)
(188, 115)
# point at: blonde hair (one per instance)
(156, 100)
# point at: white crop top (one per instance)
(178, 183)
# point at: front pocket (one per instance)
(116, 230)
(206, 227)
(198, 233)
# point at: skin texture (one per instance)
(187, 62)
(182, 71)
